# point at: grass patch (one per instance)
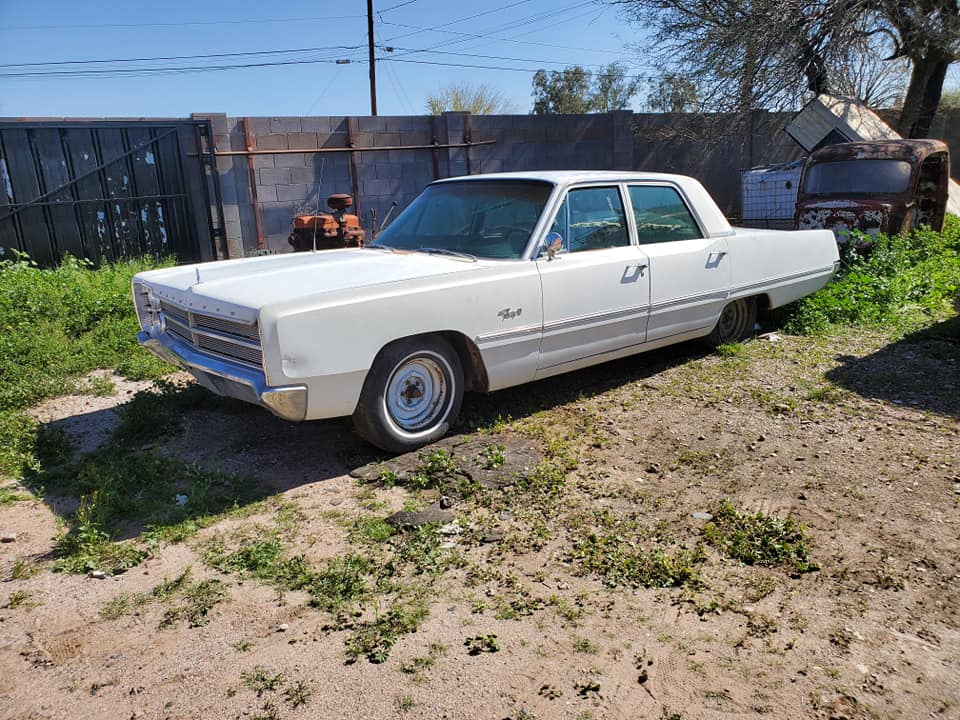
(8, 496)
(619, 560)
(58, 325)
(902, 284)
(374, 639)
(140, 494)
(188, 599)
(759, 539)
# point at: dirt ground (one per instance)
(857, 440)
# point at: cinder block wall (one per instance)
(292, 183)
(288, 184)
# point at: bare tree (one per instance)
(463, 97)
(768, 53)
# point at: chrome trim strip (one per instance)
(509, 334)
(599, 317)
(689, 300)
(783, 278)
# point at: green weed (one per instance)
(903, 282)
(375, 639)
(55, 327)
(759, 539)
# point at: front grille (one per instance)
(217, 336)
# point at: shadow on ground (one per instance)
(921, 371)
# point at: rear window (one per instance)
(857, 177)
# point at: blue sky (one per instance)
(518, 35)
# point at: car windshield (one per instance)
(857, 177)
(483, 218)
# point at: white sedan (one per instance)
(482, 283)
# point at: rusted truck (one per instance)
(884, 186)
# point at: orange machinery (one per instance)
(326, 231)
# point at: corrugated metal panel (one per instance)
(104, 190)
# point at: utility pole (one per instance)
(373, 66)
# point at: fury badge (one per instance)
(508, 314)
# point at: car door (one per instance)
(596, 289)
(689, 273)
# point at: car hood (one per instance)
(229, 287)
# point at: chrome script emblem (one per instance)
(508, 314)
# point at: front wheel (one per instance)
(411, 396)
(736, 322)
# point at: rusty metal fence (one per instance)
(108, 190)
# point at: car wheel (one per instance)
(736, 322)
(411, 396)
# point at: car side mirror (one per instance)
(551, 246)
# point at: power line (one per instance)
(99, 26)
(509, 69)
(503, 39)
(185, 57)
(142, 72)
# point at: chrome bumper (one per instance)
(231, 379)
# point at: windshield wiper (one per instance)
(445, 251)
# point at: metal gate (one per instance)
(109, 190)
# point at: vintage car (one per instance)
(883, 186)
(482, 283)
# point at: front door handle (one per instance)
(632, 273)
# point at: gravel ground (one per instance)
(856, 439)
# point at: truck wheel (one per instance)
(411, 395)
(736, 322)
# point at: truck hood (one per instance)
(232, 288)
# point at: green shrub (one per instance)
(901, 283)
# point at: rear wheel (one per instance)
(736, 322)
(411, 396)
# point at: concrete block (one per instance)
(271, 142)
(304, 175)
(274, 176)
(290, 160)
(388, 170)
(303, 140)
(334, 139)
(264, 161)
(388, 188)
(315, 123)
(258, 125)
(221, 141)
(285, 125)
(371, 124)
(363, 139)
(267, 193)
(292, 192)
(386, 138)
(278, 243)
(415, 137)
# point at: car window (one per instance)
(592, 219)
(661, 215)
(485, 218)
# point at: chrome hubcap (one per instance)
(418, 392)
(732, 319)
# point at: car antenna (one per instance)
(317, 212)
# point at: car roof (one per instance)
(564, 177)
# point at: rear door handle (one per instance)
(714, 258)
(639, 268)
